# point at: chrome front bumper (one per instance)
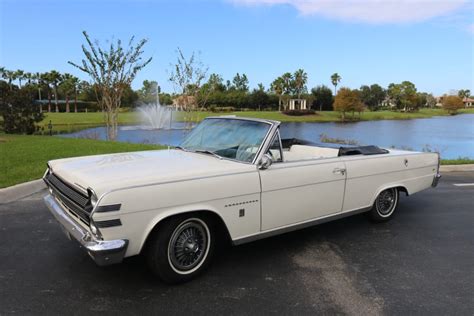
(436, 180)
(103, 252)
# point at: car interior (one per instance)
(297, 149)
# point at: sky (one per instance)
(428, 42)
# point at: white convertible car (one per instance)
(231, 178)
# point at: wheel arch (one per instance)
(215, 217)
(399, 187)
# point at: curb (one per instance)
(454, 168)
(20, 191)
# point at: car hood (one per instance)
(104, 173)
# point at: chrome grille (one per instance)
(75, 201)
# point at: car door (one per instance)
(299, 191)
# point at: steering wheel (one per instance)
(245, 153)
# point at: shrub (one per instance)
(19, 111)
(452, 104)
(299, 112)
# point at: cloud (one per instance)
(369, 11)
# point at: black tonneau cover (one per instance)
(361, 150)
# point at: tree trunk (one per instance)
(67, 104)
(75, 101)
(56, 98)
(49, 101)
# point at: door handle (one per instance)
(341, 171)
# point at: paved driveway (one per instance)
(420, 262)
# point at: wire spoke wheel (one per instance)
(386, 202)
(188, 245)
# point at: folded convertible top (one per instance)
(361, 150)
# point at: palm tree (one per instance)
(66, 87)
(10, 76)
(277, 86)
(28, 76)
(46, 79)
(287, 86)
(55, 80)
(335, 79)
(75, 83)
(20, 75)
(300, 79)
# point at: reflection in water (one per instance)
(453, 136)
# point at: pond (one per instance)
(452, 136)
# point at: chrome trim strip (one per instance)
(298, 226)
(266, 142)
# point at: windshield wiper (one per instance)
(208, 152)
(180, 148)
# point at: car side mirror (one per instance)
(265, 162)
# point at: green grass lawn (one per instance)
(24, 158)
(459, 161)
(69, 122)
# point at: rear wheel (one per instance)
(384, 205)
(181, 248)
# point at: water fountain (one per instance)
(155, 115)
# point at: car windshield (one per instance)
(228, 138)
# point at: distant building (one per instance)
(468, 102)
(297, 104)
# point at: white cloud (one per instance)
(369, 11)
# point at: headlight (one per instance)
(92, 198)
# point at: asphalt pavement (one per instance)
(420, 262)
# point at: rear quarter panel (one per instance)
(367, 176)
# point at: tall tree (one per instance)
(347, 100)
(45, 78)
(112, 69)
(403, 95)
(149, 91)
(300, 78)
(323, 98)
(464, 93)
(20, 75)
(372, 96)
(452, 104)
(188, 76)
(216, 83)
(335, 79)
(67, 87)
(278, 87)
(54, 78)
(10, 76)
(241, 82)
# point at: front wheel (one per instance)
(384, 205)
(181, 248)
